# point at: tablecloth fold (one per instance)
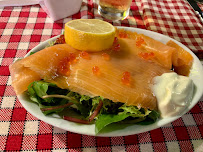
(176, 19)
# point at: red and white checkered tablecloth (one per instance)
(23, 28)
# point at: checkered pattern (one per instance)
(23, 28)
(176, 19)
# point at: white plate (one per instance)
(118, 130)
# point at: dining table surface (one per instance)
(24, 27)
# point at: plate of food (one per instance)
(142, 81)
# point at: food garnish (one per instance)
(89, 35)
(96, 71)
(85, 55)
(126, 78)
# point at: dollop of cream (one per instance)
(173, 92)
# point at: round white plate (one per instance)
(118, 130)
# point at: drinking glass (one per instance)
(114, 9)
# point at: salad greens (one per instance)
(102, 112)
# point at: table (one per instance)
(23, 28)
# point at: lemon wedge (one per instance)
(89, 34)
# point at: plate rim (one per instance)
(158, 124)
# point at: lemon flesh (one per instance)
(89, 34)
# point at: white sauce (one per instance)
(173, 93)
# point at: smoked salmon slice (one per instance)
(182, 60)
(40, 65)
(82, 79)
(160, 53)
(170, 55)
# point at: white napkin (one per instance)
(56, 9)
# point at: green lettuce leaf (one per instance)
(128, 115)
(38, 89)
(106, 119)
